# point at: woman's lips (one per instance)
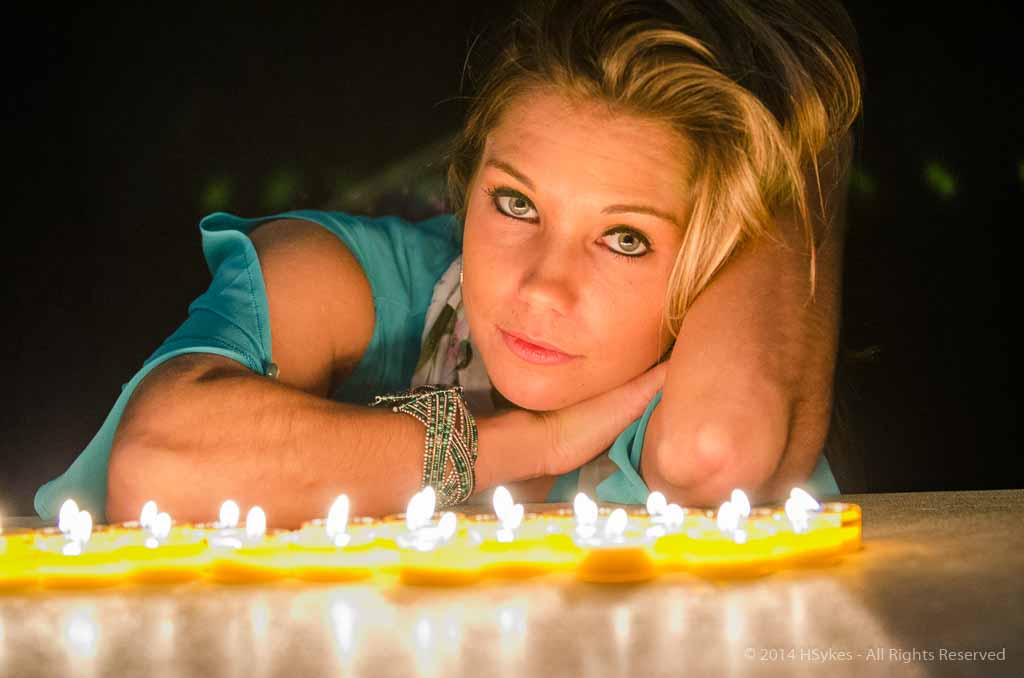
(532, 353)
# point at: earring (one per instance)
(461, 270)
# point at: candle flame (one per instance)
(502, 501)
(429, 502)
(797, 514)
(585, 509)
(740, 501)
(728, 517)
(81, 527)
(147, 515)
(68, 511)
(255, 523)
(337, 517)
(674, 515)
(420, 509)
(229, 513)
(805, 499)
(616, 524)
(512, 518)
(161, 525)
(72, 548)
(447, 525)
(656, 503)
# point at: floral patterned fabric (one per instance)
(447, 356)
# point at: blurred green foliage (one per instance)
(862, 183)
(282, 190)
(940, 179)
(217, 194)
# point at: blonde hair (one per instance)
(761, 91)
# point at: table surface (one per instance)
(940, 573)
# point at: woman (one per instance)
(650, 190)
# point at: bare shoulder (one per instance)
(320, 303)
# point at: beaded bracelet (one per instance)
(450, 449)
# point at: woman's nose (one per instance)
(550, 282)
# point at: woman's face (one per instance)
(550, 253)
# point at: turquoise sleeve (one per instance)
(229, 319)
(625, 486)
(402, 261)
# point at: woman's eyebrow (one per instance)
(610, 209)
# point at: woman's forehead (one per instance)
(620, 158)
(546, 128)
(542, 115)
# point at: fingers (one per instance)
(641, 390)
(582, 431)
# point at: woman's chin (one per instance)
(536, 398)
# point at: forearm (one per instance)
(749, 388)
(194, 443)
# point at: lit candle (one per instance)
(225, 531)
(148, 514)
(809, 538)
(68, 560)
(613, 552)
(724, 544)
(67, 515)
(663, 517)
(429, 554)
(247, 555)
(509, 548)
(327, 551)
(166, 554)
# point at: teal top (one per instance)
(403, 261)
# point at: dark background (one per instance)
(123, 127)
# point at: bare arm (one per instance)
(202, 428)
(748, 396)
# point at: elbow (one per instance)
(144, 462)
(126, 480)
(143, 466)
(690, 467)
(705, 467)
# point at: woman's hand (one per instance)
(576, 434)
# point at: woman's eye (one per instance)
(513, 205)
(622, 241)
(628, 243)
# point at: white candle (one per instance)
(159, 529)
(510, 515)
(585, 511)
(664, 516)
(731, 515)
(79, 533)
(798, 508)
(337, 522)
(255, 524)
(68, 511)
(421, 535)
(228, 534)
(229, 514)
